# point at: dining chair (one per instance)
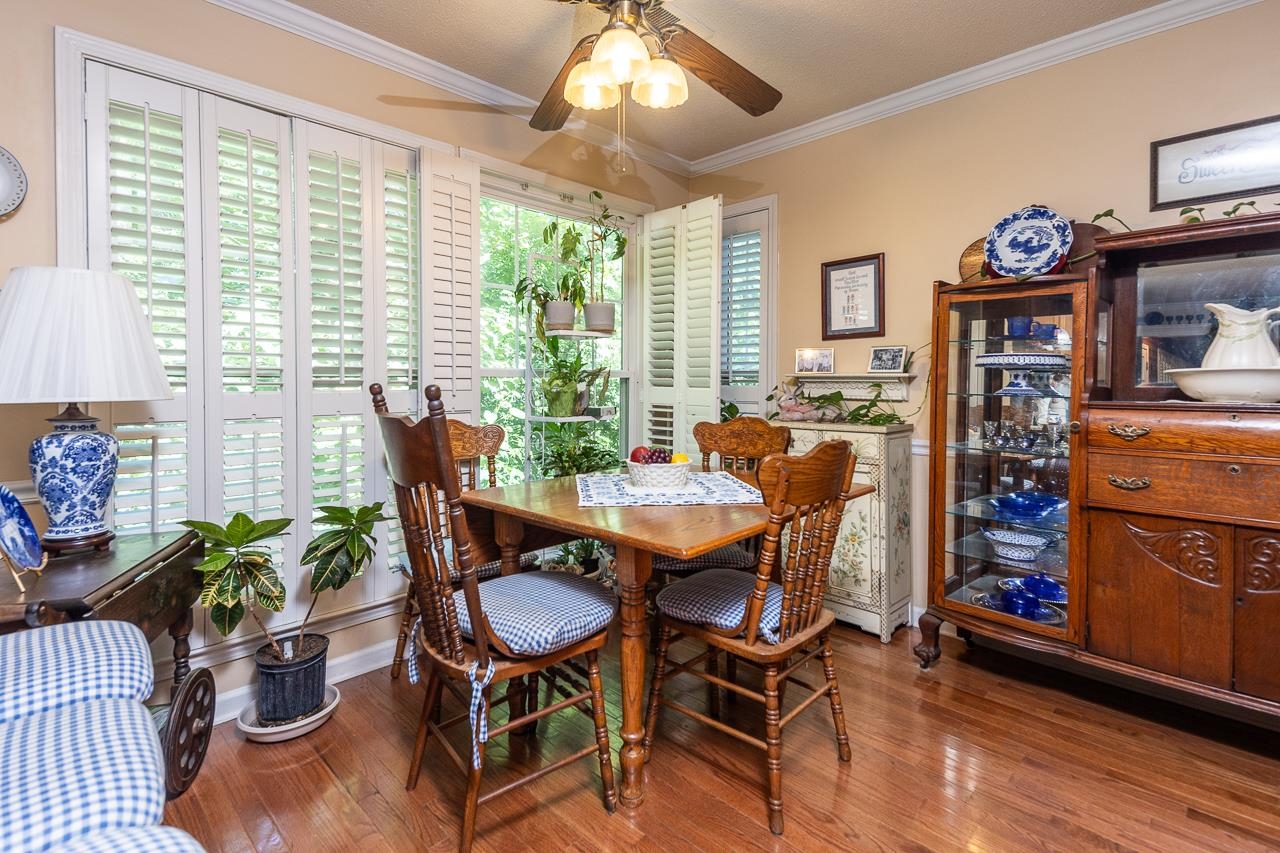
(738, 445)
(778, 627)
(479, 635)
(475, 454)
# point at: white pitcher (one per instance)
(1242, 339)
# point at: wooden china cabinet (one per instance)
(1159, 514)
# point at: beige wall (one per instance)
(922, 185)
(215, 39)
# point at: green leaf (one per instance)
(324, 543)
(214, 534)
(333, 569)
(221, 589)
(267, 586)
(239, 529)
(226, 617)
(268, 528)
(215, 563)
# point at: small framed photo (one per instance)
(811, 360)
(853, 298)
(1216, 164)
(887, 360)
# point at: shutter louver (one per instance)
(337, 460)
(700, 398)
(151, 486)
(253, 472)
(400, 202)
(334, 194)
(453, 282)
(740, 310)
(661, 308)
(251, 258)
(147, 222)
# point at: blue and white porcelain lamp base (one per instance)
(74, 470)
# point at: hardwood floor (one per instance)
(982, 752)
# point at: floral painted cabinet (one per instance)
(871, 566)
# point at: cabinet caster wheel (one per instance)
(186, 733)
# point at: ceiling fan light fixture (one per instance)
(588, 89)
(620, 54)
(665, 85)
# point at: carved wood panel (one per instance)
(1257, 613)
(1192, 552)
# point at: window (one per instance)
(280, 262)
(512, 247)
(746, 363)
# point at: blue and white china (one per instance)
(18, 537)
(1026, 505)
(1013, 545)
(1046, 614)
(1030, 241)
(74, 469)
(1021, 360)
(1051, 592)
(1018, 327)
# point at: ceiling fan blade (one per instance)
(554, 110)
(721, 73)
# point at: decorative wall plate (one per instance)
(1030, 241)
(13, 183)
(18, 537)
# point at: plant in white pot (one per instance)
(238, 576)
(605, 242)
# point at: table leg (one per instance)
(508, 533)
(634, 568)
(180, 630)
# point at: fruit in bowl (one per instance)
(658, 468)
(643, 455)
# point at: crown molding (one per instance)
(330, 33)
(1157, 19)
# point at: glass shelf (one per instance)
(981, 508)
(1057, 614)
(1052, 560)
(1012, 453)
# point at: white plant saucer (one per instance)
(286, 731)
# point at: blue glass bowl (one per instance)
(1045, 587)
(1026, 504)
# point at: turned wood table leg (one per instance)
(634, 567)
(508, 533)
(929, 648)
(181, 633)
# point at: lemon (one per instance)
(679, 457)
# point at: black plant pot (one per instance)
(289, 690)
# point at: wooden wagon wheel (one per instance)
(187, 731)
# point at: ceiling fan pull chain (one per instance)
(622, 165)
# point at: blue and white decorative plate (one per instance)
(1021, 360)
(1030, 241)
(18, 537)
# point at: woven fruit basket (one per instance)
(672, 476)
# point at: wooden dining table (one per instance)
(545, 511)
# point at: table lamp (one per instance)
(75, 336)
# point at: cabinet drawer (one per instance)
(1185, 485)
(1234, 433)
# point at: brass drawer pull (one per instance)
(1128, 432)
(1129, 484)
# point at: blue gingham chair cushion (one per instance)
(48, 668)
(725, 557)
(718, 597)
(483, 571)
(536, 613)
(77, 770)
(150, 839)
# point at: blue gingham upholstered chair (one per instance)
(475, 456)
(81, 766)
(775, 626)
(738, 445)
(477, 635)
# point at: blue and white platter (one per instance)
(1030, 241)
(1046, 614)
(18, 537)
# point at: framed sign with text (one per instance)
(853, 298)
(1211, 165)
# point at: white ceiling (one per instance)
(825, 56)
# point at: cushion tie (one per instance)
(411, 660)
(479, 710)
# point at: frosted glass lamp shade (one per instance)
(588, 89)
(663, 87)
(75, 336)
(620, 55)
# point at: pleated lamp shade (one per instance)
(75, 336)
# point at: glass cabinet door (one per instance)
(1009, 403)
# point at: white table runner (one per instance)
(715, 487)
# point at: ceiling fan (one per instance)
(666, 39)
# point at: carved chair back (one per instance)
(740, 443)
(806, 496)
(428, 494)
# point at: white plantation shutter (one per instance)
(151, 486)
(742, 332)
(451, 225)
(681, 355)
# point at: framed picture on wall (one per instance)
(1216, 164)
(887, 360)
(853, 298)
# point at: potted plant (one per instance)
(238, 576)
(605, 242)
(567, 381)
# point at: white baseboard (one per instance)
(916, 612)
(337, 669)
